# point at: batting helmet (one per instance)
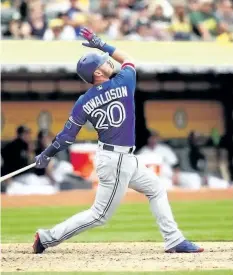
(88, 63)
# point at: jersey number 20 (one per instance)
(109, 114)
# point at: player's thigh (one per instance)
(113, 182)
(146, 181)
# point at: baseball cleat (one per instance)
(185, 247)
(37, 246)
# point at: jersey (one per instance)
(110, 108)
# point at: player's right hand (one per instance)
(93, 40)
(42, 161)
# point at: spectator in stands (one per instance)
(74, 8)
(37, 19)
(140, 9)
(205, 23)
(41, 181)
(143, 31)
(224, 14)
(112, 26)
(166, 6)
(14, 27)
(125, 28)
(121, 19)
(59, 31)
(97, 23)
(122, 10)
(135, 5)
(105, 7)
(76, 16)
(159, 17)
(16, 154)
(193, 5)
(160, 23)
(36, 25)
(17, 29)
(37, 181)
(181, 27)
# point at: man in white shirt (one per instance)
(169, 170)
(158, 154)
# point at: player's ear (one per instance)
(97, 73)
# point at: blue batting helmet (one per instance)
(88, 63)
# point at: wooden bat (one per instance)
(17, 172)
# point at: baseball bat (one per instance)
(17, 172)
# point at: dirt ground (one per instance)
(114, 257)
(84, 197)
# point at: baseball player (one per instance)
(109, 106)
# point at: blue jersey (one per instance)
(110, 108)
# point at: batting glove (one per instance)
(42, 161)
(93, 40)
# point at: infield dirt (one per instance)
(84, 197)
(114, 257)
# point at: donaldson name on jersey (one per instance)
(104, 98)
(110, 108)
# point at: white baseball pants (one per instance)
(117, 172)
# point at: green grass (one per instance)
(200, 221)
(195, 272)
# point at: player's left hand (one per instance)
(42, 161)
(93, 40)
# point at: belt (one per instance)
(116, 148)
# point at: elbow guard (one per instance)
(63, 140)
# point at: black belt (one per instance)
(111, 148)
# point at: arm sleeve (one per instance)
(77, 115)
(63, 139)
(68, 135)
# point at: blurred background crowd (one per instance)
(137, 20)
(188, 168)
(21, 151)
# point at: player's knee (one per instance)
(102, 221)
(99, 216)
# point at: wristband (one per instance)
(108, 49)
